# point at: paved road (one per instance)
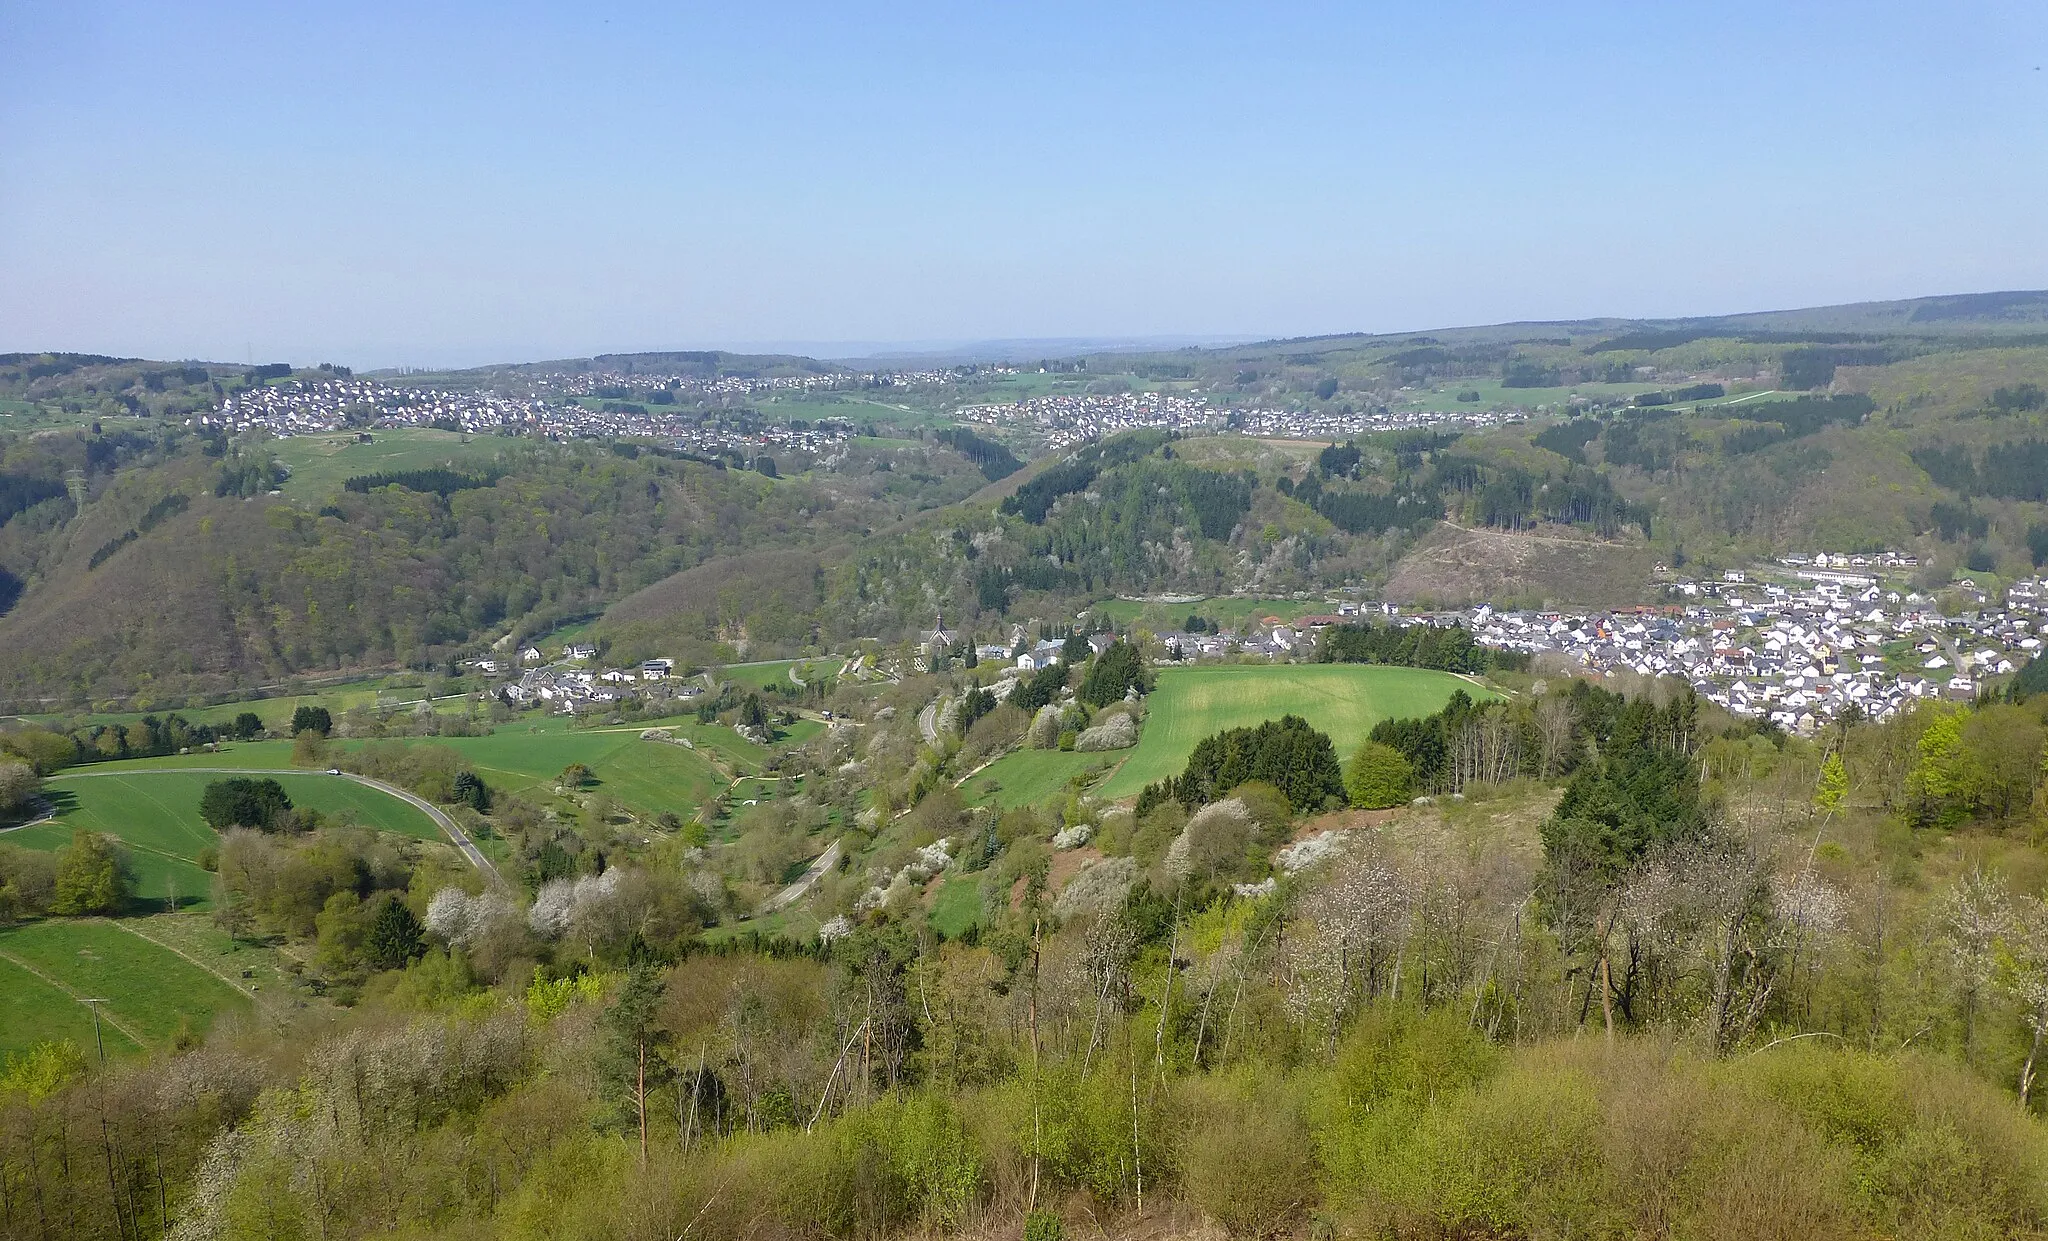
(794, 892)
(448, 827)
(928, 722)
(47, 813)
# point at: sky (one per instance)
(451, 184)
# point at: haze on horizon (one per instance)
(385, 184)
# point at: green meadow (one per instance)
(47, 968)
(1032, 777)
(155, 812)
(1343, 700)
(320, 464)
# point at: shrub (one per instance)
(1245, 1160)
(241, 802)
(1380, 776)
(90, 876)
(1115, 732)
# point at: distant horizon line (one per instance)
(958, 350)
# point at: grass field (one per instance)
(1444, 399)
(957, 906)
(1030, 777)
(320, 464)
(644, 776)
(149, 988)
(156, 813)
(1343, 700)
(647, 777)
(276, 712)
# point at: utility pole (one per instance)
(98, 1041)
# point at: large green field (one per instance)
(1343, 700)
(156, 813)
(320, 464)
(643, 776)
(276, 712)
(646, 776)
(47, 968)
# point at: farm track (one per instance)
(174, 950)
(105, 1016)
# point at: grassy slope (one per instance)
(1343, 700)
(320, 464)
(648, 776)
(1030, 777)
(157, 814)
(644, 776)
(149, 987)
(957, 906)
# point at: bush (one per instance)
(91, 878)
(1380, 777)
(1246, 1161)
(241, 802)
(880, 1170)
(1115, 732)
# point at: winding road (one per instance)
(456, 836)
(794, 892)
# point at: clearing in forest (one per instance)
(1342, 700)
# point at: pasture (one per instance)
(1342, 700)
(276, 712)
(1492, 394)
(320, 464)
(957, 906)
(156, 814)
(47, 968)
(1032, 777)
(645, 776)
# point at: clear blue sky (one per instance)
(453, 183)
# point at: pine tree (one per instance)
(395, 935)
(632, 1067)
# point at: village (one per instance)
(312, 408)
(1799, 650)
(1064, 420)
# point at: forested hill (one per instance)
(178, 567)
(697, 364)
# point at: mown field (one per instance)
(1343, 700)
(48, 968)
(276, 712)
(156, 814)
(643, 776)
(320, 464)
(1031, 777)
